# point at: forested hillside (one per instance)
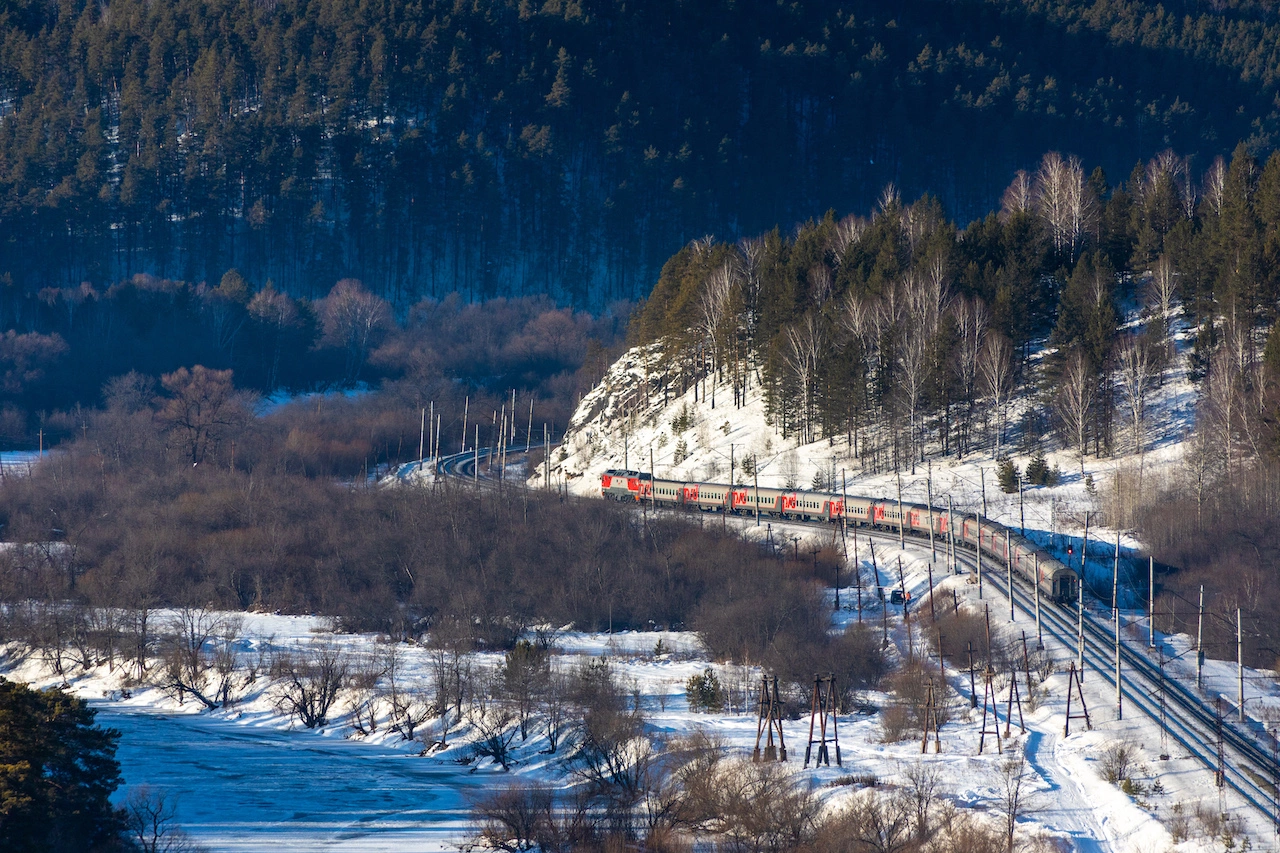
(569, 146)
(1052, 324)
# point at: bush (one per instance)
(1008, 476)
(706, 695)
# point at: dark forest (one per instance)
(565, 147)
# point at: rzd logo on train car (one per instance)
(738, 498)
(690, 493)
(837, 508)
(788, 501)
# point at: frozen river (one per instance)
(242, 788)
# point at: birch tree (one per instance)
(995, 366)
(1214, 186)
(805, 344)
(1077, 393)
(971, 318)
(1135, 379)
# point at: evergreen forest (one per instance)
(564, 147)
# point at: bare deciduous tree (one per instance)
(1214, 186)
(806, 344)
(996, 367)
(151, 819)
(1065, 201)
(354, 318)
(203, 406)
(309, 682)
(1013, 795)
(1135, 378)
(1019, 196)
(1077, 392)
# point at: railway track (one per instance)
(1248, 768)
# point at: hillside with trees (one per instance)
(563, 147)
(899, 338)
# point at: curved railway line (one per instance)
(1248, 768)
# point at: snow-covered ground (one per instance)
(248, 778)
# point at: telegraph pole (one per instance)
(422, 439)
(1022, 509)
(755, 473)
(466, 408)
(1200, 641)
(1119, 695)
(1008, 555)
(1240, 659)
(902, 527)
(1039, 634)
(1080, 630)
(933, 551)
(978, 522)
(982, 475)
(1115, 583)
(951, 539)
(1151, 602)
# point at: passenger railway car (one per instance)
(999, 545)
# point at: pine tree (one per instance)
(57, 774)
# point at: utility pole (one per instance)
(475, 471)
(902, 527)
(857, 572)
(1008, 555)
(1115, 583)
(1022, 509)
(1240, 659)
(933, 551)
(1080, 631)
(1039, 634)
(978, 522)
(982, 475)
(422, 440)
(1119, 695)
(1084, 547)
(528, 437)
(1200, 641)
(653, 478)
(1151, 602)
(546, 456)
(755, 474)
(466, 408)
(951, 540)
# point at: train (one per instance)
(998, 543)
